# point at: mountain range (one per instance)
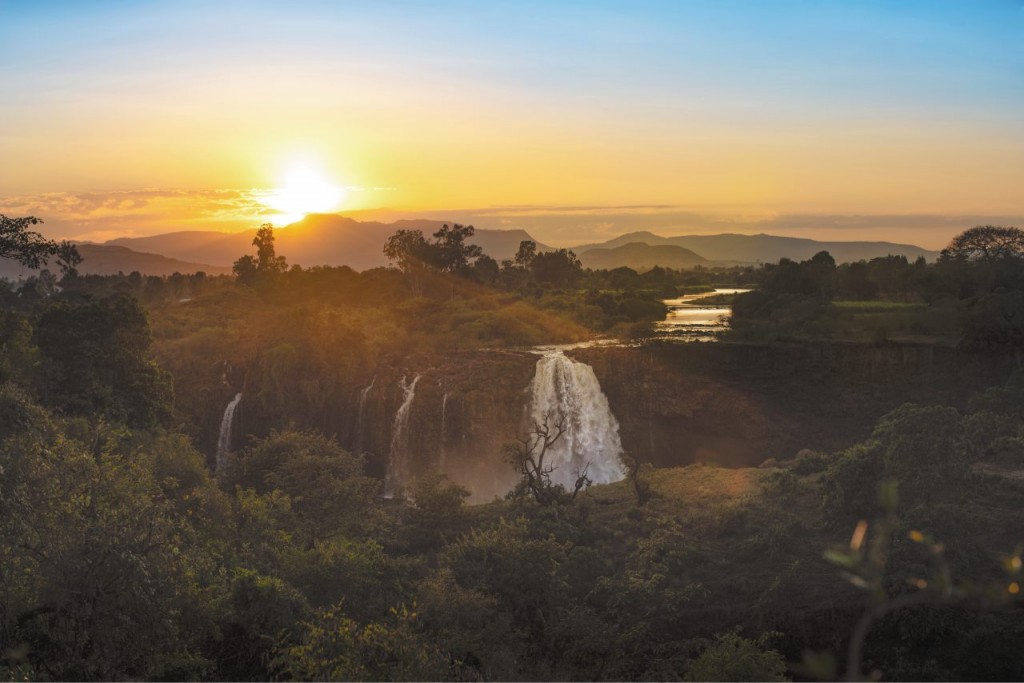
(318, 239)
(329, 239)
(733, 248)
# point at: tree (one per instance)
(453, 254)
(97, 361)
(410, 250)
(31, 249)
(560, 268)
(266, 263)
(266, 260)
(486, 270)
(528, 457)
(447, 252)
(95, 564)
(329, 496)
(734, 658)
(986, 243)
(525, 255)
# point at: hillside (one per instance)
(330, 239)
(765, 248)
(318, 239)
(105, 259)
(641, 257)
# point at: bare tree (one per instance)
(529, 455)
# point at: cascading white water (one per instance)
(224, 438)
(444, 430)
(398, 458)
(363, 394)
(566, 390)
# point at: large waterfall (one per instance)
(224, 438)
(398, 458)
(566, 390)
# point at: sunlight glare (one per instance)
(304, 191)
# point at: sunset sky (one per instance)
(577, 120)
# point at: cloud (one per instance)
(98, 215)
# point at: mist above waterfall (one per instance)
(567, 392)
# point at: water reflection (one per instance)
(689, 319)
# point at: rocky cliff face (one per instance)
(739, 405)
(731, 405)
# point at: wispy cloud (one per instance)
(102, 215)
(99, 216)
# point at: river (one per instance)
(690, 320)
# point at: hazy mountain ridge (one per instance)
(763, 248)
(640, 257)
(329, 239)
(319, 239)
(108, 259)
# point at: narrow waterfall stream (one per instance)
(363, 394)
(224, 438)
(398, 458)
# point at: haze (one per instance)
(577, 121)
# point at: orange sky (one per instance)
(142, 118)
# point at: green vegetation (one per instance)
(123, 557)
(972, 297)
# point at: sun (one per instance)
(304, 191)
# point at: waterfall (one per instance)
(398, 458)
(563, 389)
(444, 430)
(363, 393)
(224, 439)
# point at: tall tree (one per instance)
(410, 250)
(454, 255)
(266, 263)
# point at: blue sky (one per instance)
(778, 106)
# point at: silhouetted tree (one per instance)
(560, 267)
(453, 254)
(986, 242)
(410, 250)
(486, 269)
(31, 249)
(527, 251)
(266, 262)
(528, 457)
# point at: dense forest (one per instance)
(128, 553)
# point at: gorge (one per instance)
(724, 404)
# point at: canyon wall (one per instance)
(732, 405)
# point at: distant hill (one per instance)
(641, 257)
(330, 239)
(765, 248)
(318, 239)
(102, 259)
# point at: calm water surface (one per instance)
(690, 320)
